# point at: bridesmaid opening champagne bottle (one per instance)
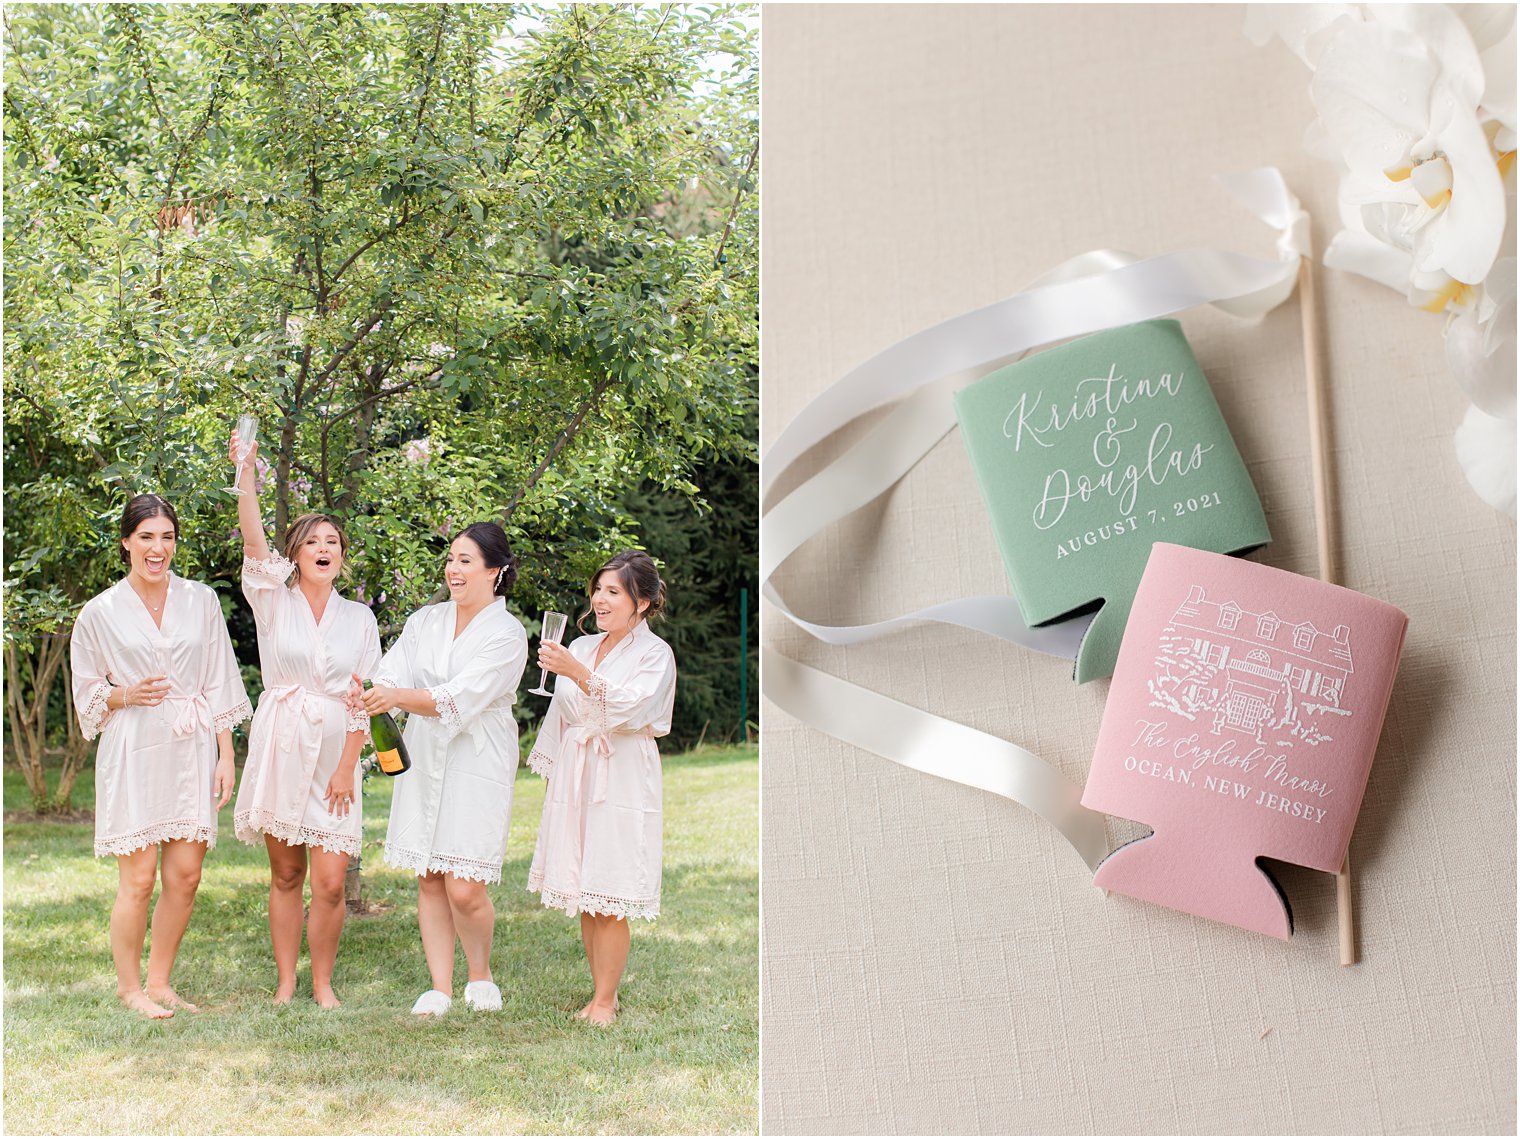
(390, 748)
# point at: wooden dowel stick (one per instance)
(1319, 457)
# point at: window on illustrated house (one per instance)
(1303, 637)
(1298, 678)
(1229, 617)
(1266, 628)
(1216, 655)
(1329, 688)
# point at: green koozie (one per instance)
(1087, 454)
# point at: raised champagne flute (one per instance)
(247, 436)
(552, 633)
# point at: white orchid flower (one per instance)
(1399, 95)
(1417, 105)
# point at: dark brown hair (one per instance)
(492, 541)
(138, 510)
(301, 529)
(640, 580)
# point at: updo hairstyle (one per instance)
(637, 575)
(492, 540)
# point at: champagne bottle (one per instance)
(390, 749)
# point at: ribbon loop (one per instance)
(195, 713)
(585, 737)
(1095, 291)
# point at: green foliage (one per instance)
(706, 559)
(463, 261)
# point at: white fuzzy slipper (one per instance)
(482, 996)
(433, 1003)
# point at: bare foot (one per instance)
(168, 997)
(284, 991)
(601, 1015)
(586, 1012)
(325, 997)
(141, 1002)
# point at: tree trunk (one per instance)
(76, 753)
(26, 749)
(353, 885)
(27, 691)
(372, 379)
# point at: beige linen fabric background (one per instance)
(935, 958)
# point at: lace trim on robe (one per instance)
(585, 903)
(358, 721)
(458, 866)
(223, 721)
(192, 829)
(540, 761)
(93, 716)
(448, 711)
(275, 567)
(253, 823)
(596, 687)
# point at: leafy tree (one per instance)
(463, 261)
(706, 560)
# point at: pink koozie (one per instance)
(1244, 714)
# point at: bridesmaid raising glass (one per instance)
(299, 795)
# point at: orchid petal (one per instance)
(1373, 89)
(1465, 240)
(1485, 447)
(1366, 256)
(1487, 24)
(1499, 78)
(1446, 38)
(1433, 291)
(1481, 353)
(1432, 180)
(1295, 24)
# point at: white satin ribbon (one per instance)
(592, 747)
(297, 693)
(935, 746)
(1094, 291)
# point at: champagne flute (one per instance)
(247, 433)
(553, 633)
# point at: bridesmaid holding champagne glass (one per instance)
(299, 795)
(599, 845)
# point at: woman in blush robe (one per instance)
(455, 671)
(298, 796)
(599, 844)
(154, 676)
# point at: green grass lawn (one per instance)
(682, 1058)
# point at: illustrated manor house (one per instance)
(1254, 673)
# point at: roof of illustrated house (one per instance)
(1297, 639)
